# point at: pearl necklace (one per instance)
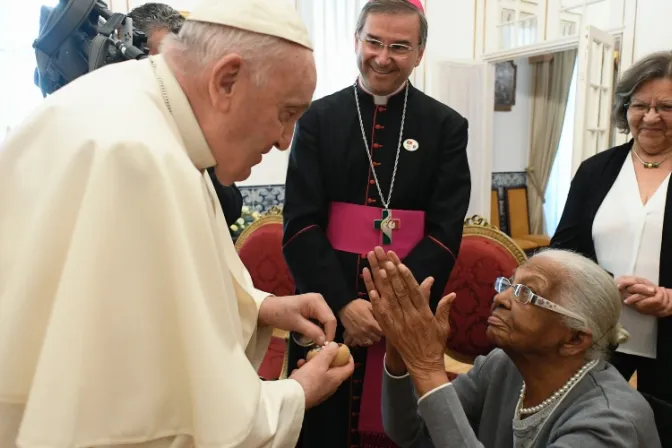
(557, 395)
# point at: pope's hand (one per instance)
(318, 380)
(293, 313)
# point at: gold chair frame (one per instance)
(476, 225)
(272, 216)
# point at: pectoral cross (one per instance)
(386, 225)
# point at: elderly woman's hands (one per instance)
(644, 296)
(401, 307)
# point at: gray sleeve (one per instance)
(401, 420)
(446, 422)
(471, 387)
(441, 419)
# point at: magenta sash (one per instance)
(352, 229)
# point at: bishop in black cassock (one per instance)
(329, 164)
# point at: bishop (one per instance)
(379, 151)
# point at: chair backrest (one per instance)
(518, 212)
(259, 247)
(485, 254)
(494, 208)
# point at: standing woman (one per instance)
(619, 213)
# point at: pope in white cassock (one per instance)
(126, 316)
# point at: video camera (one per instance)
(80, 36)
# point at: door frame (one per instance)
(625, 34)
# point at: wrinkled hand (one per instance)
(401, 306)
(394, 363)
(644, 296)
(318, 380)
(293, 313)
(361, 328)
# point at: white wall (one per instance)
(606, 15)
(511, 134)
(271, 171)
(451, 36)
(653, 31)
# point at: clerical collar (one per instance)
(379, 100)
(194, 141)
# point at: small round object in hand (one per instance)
(341, 358)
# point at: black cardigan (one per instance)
(590, 186)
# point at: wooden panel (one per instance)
(456, 367)
(494, 208)
(516, 199)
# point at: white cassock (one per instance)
(126, 317)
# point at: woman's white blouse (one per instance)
(628, 236)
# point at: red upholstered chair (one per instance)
(485, 254)
(260, 249)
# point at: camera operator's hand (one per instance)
(319, 381)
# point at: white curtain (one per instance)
(465, 88)
(331, 25)
(19, 26)
(560, 178)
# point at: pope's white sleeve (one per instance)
(279, 417)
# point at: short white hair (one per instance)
(589, 291)
(199, 45)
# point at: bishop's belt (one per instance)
(358, 229)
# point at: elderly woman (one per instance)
(619, 213)
(547, 385)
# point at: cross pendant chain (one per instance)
(386, 225)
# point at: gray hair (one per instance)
(200, 44)
(156, 16)
(654, 66)
(393, 7)
(589, 291)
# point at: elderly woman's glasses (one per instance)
(640, 108)
(524, 295)
(375, 45)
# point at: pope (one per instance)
(126, 317)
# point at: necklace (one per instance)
(386, 224)
(651, 164)
(162, 87)
(557, 395)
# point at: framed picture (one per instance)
(505, 86)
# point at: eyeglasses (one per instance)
(524, 295)
(376, 45)
(638, 108)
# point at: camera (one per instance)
(79, 36)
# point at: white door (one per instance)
(469, 88)
(593, 94)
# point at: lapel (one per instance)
(665, 276)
